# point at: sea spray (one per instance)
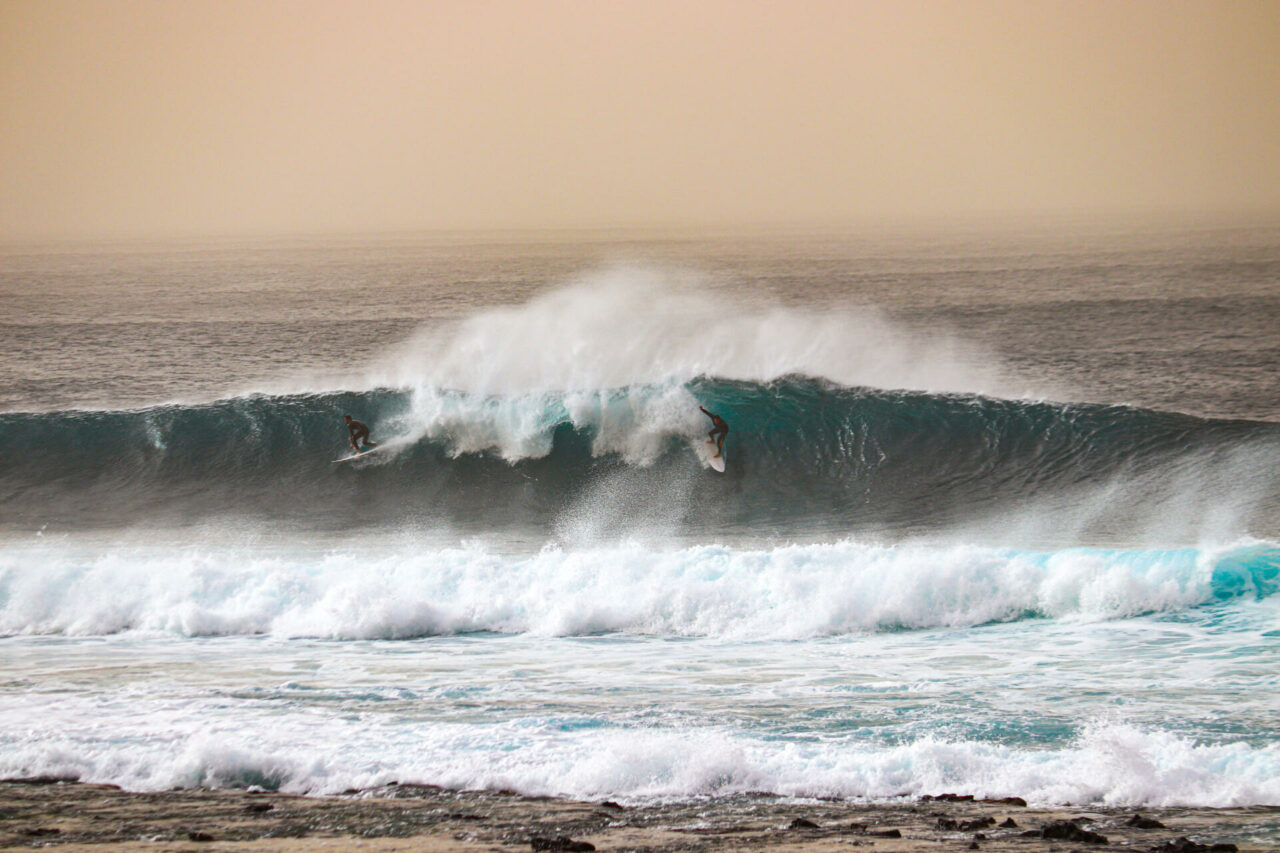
(625, 326)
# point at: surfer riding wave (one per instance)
(719, 429)
(359, 434)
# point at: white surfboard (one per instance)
(363, 454)
(709, 457)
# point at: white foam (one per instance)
(1108, 764)
(873, 714)
(637, 423)
(794, 591)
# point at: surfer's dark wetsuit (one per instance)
(719, 430)
(359, 433)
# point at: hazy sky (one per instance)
(122, 117)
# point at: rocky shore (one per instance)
(66, 816)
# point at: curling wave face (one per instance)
(806, 454)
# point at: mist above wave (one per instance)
(629, 326)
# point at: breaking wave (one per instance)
(791, 592)
(803, 454)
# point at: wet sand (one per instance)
(71, 816)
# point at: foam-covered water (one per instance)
(794, 592)
(999, 518)
(1158, 709)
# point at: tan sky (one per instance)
(122, 117)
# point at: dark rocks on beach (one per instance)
(610, 804)
(1009, 801)
(965, 825)
(92, 816)
(409, 790)
(1065, 830)
(969, 798)
(1186, 845)
(561, 844)
(1140, 822)
(258, 808)
(199, 836)
(802, 823)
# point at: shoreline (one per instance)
(69, 816)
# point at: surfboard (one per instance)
(362, 454)
(709, 457)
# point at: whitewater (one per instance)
(1000, 517)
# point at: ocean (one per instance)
(1001, 513)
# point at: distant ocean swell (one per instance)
(800, 449)
(791, 592)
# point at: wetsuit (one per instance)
(359, 433)
(719, 430)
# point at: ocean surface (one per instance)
(1001, 513)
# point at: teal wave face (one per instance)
(1246, 571)
(1250, 571)
(804, 455)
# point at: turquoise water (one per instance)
(1154, 710)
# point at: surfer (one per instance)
(719, 429)
(359, 433)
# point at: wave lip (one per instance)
(790, 592)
